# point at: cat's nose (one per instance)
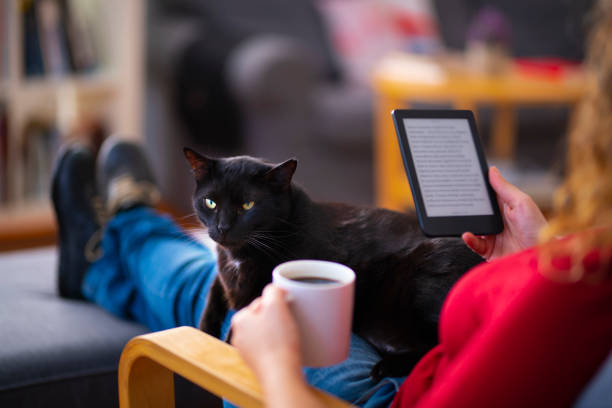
(223, 228)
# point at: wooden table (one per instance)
(400, 80)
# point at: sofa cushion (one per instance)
(59, 352)
(46, 338)
(54, 351)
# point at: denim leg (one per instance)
(151, 271)
(351, 381)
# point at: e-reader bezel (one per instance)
(450, 226)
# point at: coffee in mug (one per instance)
(320, 295)
(311, 279)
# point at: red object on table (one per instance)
(551, 68)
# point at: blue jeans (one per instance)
(152, 272)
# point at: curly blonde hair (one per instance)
(584, 201)
(585, 198)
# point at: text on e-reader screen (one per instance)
(447, 167)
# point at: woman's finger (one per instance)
(255, 305)
(273, 293)
(508, 193)
(476, 244)
(472, 242)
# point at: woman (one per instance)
(529, 328)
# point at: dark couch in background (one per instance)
(258, 78)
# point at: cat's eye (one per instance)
(210, 203)
(248, 206)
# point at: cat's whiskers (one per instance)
(186, 216)
(277, 233)
(271, 242)
(266, 249)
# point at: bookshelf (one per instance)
(68, 69)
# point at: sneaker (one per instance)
(77, 210)
(125, 177)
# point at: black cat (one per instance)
(259, 219)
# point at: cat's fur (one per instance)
(402, 277)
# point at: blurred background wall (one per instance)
(274, 79)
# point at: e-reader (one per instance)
(447, 172)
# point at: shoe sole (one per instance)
(64, 254)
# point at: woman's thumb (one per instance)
(506, 192)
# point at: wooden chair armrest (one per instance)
(148, 362)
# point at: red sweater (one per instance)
(511, 337)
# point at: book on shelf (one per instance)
(41, 140)
(53, 37)
(82, 20)
(32, 52)
(40, 144)
(58, 37)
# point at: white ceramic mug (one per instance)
(323, 311)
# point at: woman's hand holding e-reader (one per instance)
(447, 172)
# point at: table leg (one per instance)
(391, 189)
(504, 132)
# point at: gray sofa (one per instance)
(61, 353)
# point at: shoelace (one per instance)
(99, 210)
(124, 190)
(93, 247)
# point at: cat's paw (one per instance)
(394, 365)
(378, 371)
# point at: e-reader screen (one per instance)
(447, 167)
(447, 172)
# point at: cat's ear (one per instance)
(281, 175)
(200, 165)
